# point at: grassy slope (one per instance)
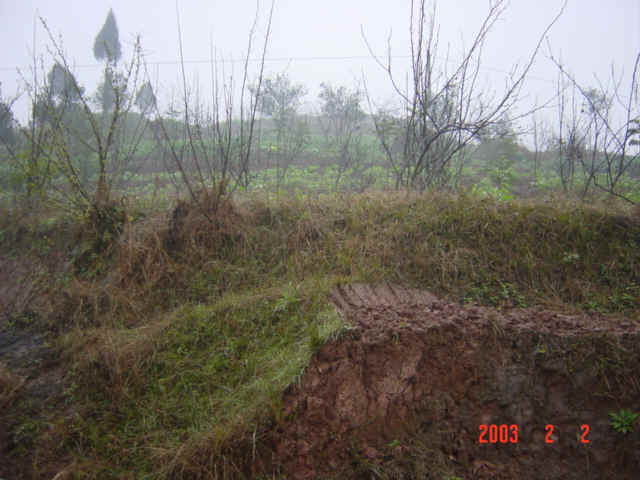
(171, 397)
(181, 350)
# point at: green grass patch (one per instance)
(217, 374)
(485, 250)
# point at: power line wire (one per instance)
(287, 59)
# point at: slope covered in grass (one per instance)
(178, 341)
(171, 398)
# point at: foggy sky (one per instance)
(318, 42)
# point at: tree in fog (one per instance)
(8, 146)
(107, 48)
(29, 157)
(7, 123)
(540, 135)
(499, 152)
(63, 85)
(443, 107)
(211, 145)
(604, 145)
(145, 98)
(280, 100)
(107, 43)
(342, 122)
(115, 97)
(569, 136)
(66, 116)
(80, 141)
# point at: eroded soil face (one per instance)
(409, 388)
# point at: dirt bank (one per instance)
(426, 388)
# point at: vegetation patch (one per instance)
(178, 351)
(205, 377)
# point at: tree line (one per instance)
(77, 147)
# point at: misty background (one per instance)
(316, 42)
(503, 98)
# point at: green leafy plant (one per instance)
(624, 420)
(486, 189)
(570, 258)
(593, 306)
(288, 299)
(496, 293)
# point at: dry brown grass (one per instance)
(111, 360)
(10, 385)
(463, 247)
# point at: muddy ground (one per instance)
(31, 375)
(438, 390)
(410, 389)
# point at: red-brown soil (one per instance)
(408, 389)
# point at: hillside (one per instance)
(322, 336)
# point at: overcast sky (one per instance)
(318, 42)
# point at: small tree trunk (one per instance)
(102, 190)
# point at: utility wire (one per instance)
(289, 59)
